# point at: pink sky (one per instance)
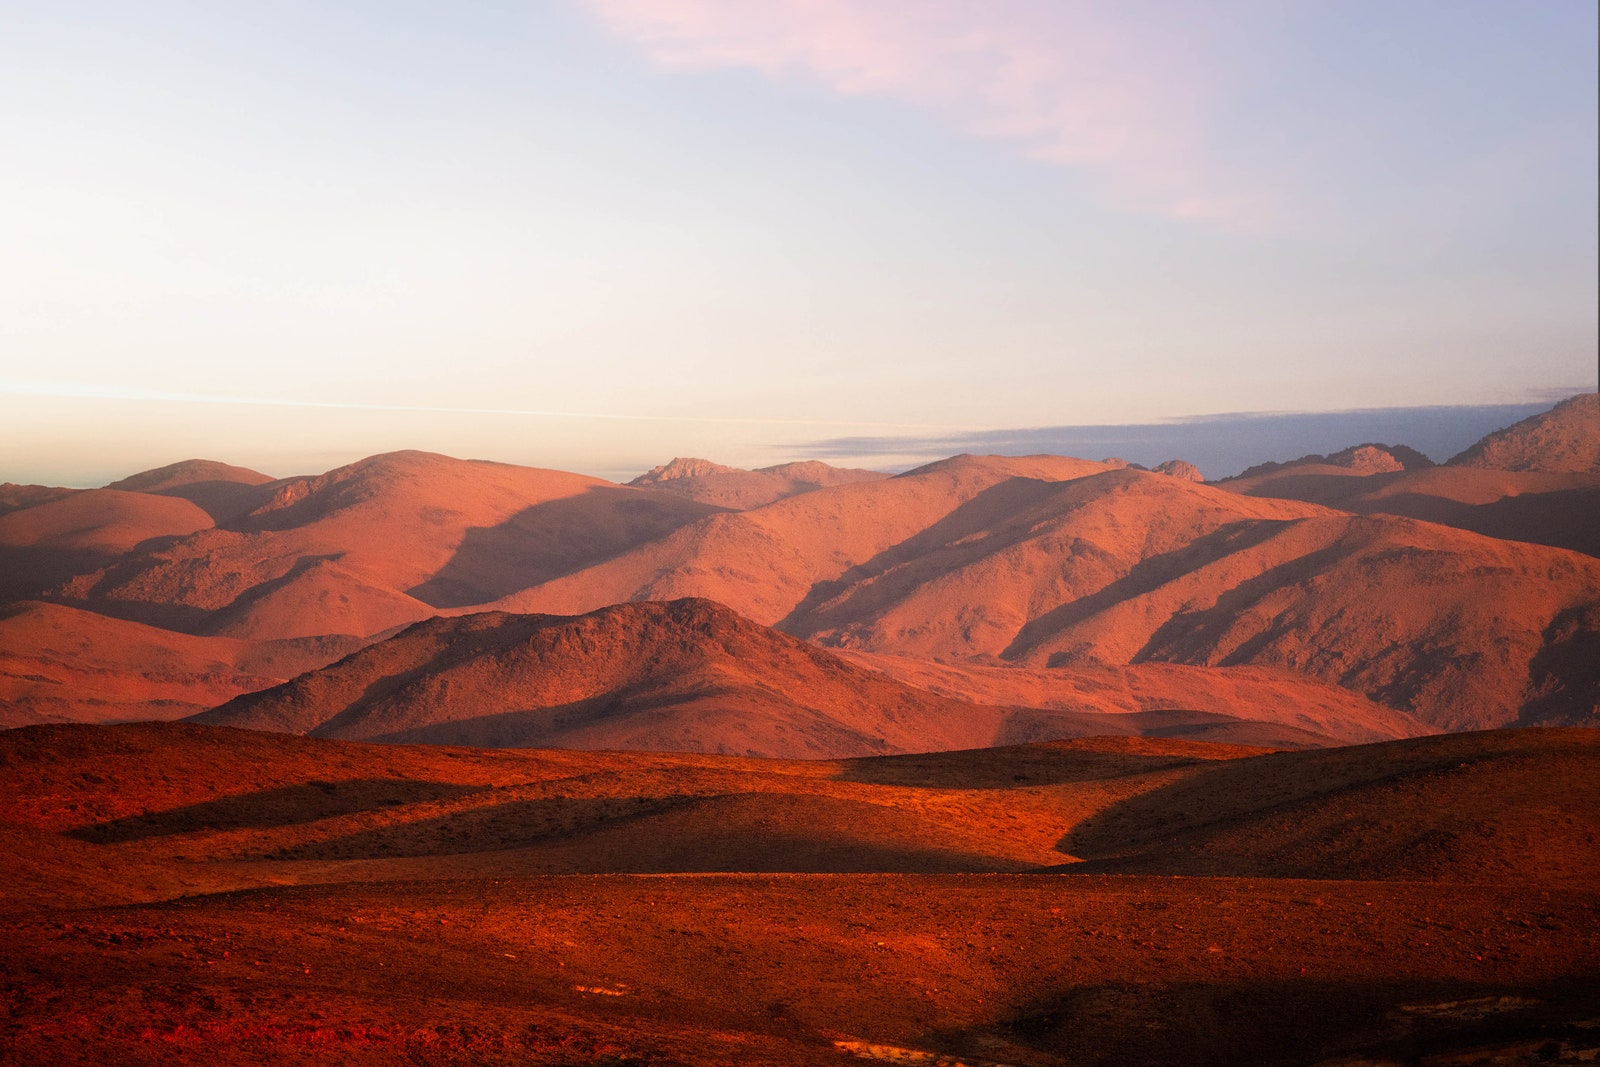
(1106, 87)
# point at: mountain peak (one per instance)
(682, 467)
(1563, 440)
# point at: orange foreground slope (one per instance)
(184, 894)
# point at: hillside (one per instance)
(740, 490)
(379, 543)
(61, 664)
(686, 676)
(223, 491)
(1565, 439)
(214, 896)
(1126, 567)
(1560, 510)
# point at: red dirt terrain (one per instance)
(1560, 510)
(187, 894)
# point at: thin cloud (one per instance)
(1120, 91)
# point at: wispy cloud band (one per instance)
(1122, 91)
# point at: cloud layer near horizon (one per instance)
(1118, 91)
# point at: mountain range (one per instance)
(805, 610)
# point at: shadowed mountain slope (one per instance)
(1499, 806)
(1122, 692)
(47, 542)
(730, 487)
(223, 491)
(764, 561)
(1560, 510)
(381, 542)
(1127, 567)
(1564, 439)
(61, 664)
(688, 676)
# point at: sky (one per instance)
(596, 234)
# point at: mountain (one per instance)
(62, 664)
(687, 676)
(1357, 460)
(14, 496)
(1178, 468)
(764, 561)
(1560, 440)
(60, 536)
(1565, 439)
(1042, 565)
(739, 490)
(1127, 567)
(223, 491)
(1560, 510)
(376, 544)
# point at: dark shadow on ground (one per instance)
(268, 808)
(1300, 1022)
(1005, 768)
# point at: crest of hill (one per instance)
(730, 487)
(223, 491)
(14, 497)
(1181, 469)
(1357, 460)
(186, 473)
(61, 664)
(1565, 439)
(387, 540)
(764, 561)
(689, 676)
(1560, 510)
(50, 541)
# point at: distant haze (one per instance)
(1220, 445)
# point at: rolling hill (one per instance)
(214, 896)
(693, 676)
